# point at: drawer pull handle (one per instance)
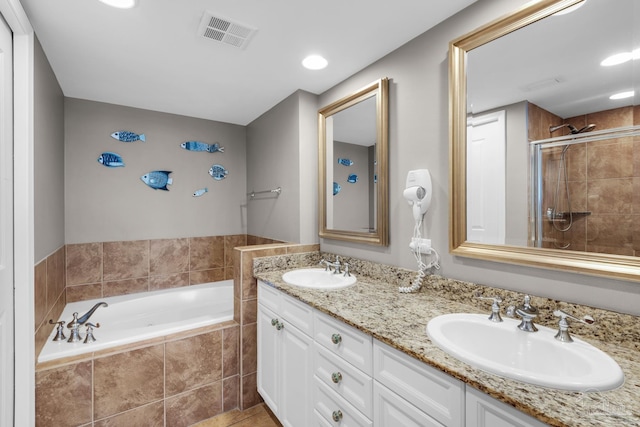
(336, 377)
(336, 338)
(274, 322)
(279, 326)
(337, 415)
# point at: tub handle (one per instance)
(59, 330)
(90, 338)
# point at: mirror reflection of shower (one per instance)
(561, 219)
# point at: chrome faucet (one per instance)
(563, 332)
(75, 324)
(527, 313)
(89, 313)
(336, 265)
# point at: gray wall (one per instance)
(281, 152)
(110, 204)
(418, 136)
(351, 204)
(48, 161)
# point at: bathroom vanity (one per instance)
(360, 356)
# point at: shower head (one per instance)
(574, 130)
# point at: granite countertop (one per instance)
(400, 320)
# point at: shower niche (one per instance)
(585, 181)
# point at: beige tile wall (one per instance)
(604, 179)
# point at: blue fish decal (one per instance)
(218, 172)
(202, 146)
(353, 178)
(345, 162)
(126, 136)
(200, 192)
(109, 159)
(158, 180)
(336, 188)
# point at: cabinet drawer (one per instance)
(269, 297)
(329, 405)
(392, 410)
(351, 383)
(430, 390)
(297, 313)
(347, 342)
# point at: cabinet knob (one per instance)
(336, 338)
(337, 415)
(276, 322)
(336, 377)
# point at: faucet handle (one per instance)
(59, 330)
(346, 270)
(90, 338)
(563, 325)
(495, 307)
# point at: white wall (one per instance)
(110, 204)
(419, 138)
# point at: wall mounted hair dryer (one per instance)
(418, 192)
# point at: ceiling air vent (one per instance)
(225, 31)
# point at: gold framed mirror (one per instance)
(465, 62)
(353, 166)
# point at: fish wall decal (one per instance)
(202, 146)
(111, 160)
(200, 192)
(336, 188)
(353, 178)
(126, 136)
(345, 162)
(158, 180)
(218, 172)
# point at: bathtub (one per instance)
(141, 316)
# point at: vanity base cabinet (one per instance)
(285, 370)
(484, 411)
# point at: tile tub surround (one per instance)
(77, 272)
(375, 306)
(179, 379)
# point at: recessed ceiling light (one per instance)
(571, 8)
(120, 4)
(314, 62)
(623, 95)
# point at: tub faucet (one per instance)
(527, 313)
(89, 313)
(75, 324)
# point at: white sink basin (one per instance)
(318, 278)
(531, 357)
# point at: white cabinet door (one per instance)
(268, 358)
(485, 411)
(296, 373)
